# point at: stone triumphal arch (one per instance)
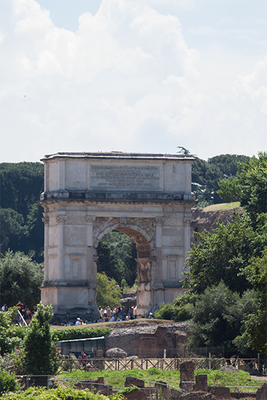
(146, 196)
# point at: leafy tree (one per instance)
(21, 185)
(223, 255)
(180, 310)
(20, 279)
(20, 188)
(230, 190)
(183, 306)
(107, 293)
(256, 323)
(165, 311)
(217, 317)
(207, 174)
(39, 352)
(117, 257)
(252, 176)
(108, 263)
(11, 228)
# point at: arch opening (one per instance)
(142, 267)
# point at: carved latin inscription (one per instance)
(126, 177)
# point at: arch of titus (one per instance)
(146, 196)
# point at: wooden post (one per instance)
(209, 360)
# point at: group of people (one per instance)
(24, 310)
(118, 313)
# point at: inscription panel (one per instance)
(125, 177)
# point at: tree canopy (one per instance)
(108, 292)
(222, 255)
(117, 257)
(20, 279)
(39, 352)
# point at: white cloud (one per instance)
(30, 17)
(253, 86)
(126, 80)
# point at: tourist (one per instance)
(78, 322)
(108, 311)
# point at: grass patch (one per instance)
(223, 378)
(172, 378)
(117, 378)
(222, 206)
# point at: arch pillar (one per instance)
(157, 283)
(61, 219)
(91, 267)
(144, 278)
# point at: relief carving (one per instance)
(101, 223)
(144, 271)
(146, 224)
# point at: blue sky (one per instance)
(132, 75)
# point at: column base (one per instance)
(69, 302)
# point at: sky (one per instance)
(142, 76)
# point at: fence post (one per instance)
(259, 365)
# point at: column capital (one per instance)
(90, 219)
(187, 220)
(159, 221)
(61, 219)
(45, 220)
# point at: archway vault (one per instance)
(141, 230)
(146, 196)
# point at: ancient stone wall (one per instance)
(150, 340)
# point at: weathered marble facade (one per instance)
(146, 196)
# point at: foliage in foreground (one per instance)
(8, 382)
(57, 394)
(11, 335)
(255, 334)
(39, 355)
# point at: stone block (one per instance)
(136, 395)
(201, 383)
(262, 392)
(132, 381)
(99, 354)
(187, 370)
(220, 392)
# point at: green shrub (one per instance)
(166, 311)
(58, 394)
(39, 353)
(79, 333)
(8, 382)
